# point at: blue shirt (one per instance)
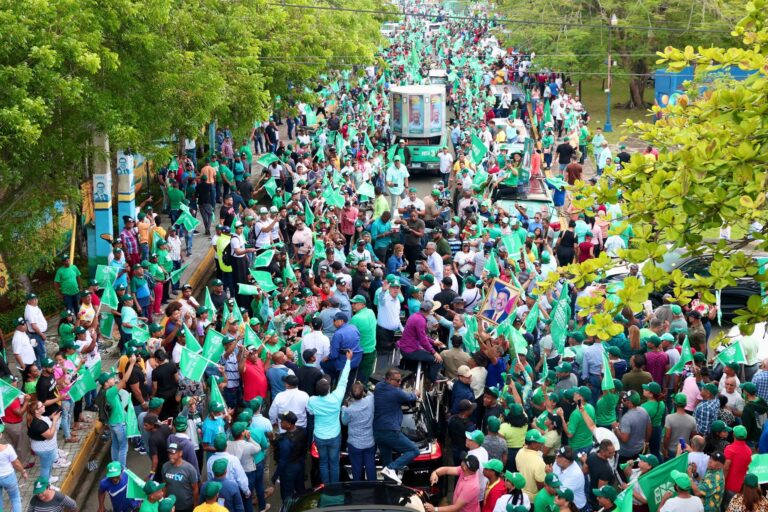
(460, 392)
(592, 361)
(327, 408)
(393, 265)
(379, 228)
(275, 378)
(118, 494)
(387, 401)
(211, 427)
(760, 380)
(230, 493)
(705, 413)
(346, 337)
(359, 419)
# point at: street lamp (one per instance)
(608, 127)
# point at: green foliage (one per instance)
(49, 302)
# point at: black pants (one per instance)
(385, 339)
(412, 253)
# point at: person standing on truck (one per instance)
(397, 181)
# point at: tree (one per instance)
(712, 171)
(575, 37)
(140, 71)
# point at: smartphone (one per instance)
(682, 443)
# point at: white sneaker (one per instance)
(63, 454)
(61, 463)
(391, 474)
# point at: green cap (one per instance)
(114, 469)
(216, 406)
(476, 436)
(151, 486)
(614, 351)
(534, 436)
(681, 399)
(156, 402)
(608, 492)
(711, 388)
(699, 357)
(668, 337)
(358, 299)
(618, 385)
(518, 480)
(48, 362)
(211, 490)
(649, 459)
(585, 393)
(31, 296)
(564, 368)
(552, 480)
(494, 465)
(238, 428)
(41, 485)
(634, 397)
(167, 504)
(255, 403)
(493, 424)
(675, 309)
(740, 432)
(565, 494)
(220, 442)
(718, 426)
(245, 416)
(219, 467)
(180, 423)
(749, 387)
(653, 387)
(681, 479)
(751, 480)
(66, 313)
(104, 377)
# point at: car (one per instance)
(348, 496)
(422, 425)
(731, 297)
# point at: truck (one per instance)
(418, 119)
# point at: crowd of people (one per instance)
(335, 284)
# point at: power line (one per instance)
(509, 21)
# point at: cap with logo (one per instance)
(608, 492)
(212, 489)
(681, 479)
(166, 504)
(477, 436)
(740, 432)
(718, 426)
(552, 480)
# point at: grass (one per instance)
(593, 97)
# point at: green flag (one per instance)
(547, 112)
(208, 303)
(532, 320)
(624, 499)
(188, 221)
(192, 365)
(140, 334)
(236, 313)
(561, 314)
(309, 216)
(685, 357)
(215, 393)
(391, 153)
(107, 325)
(271, 187)
(8, 394)
(213, 346)
(319, 251)
(176, 274)
(105, 275)
(288, 273)
(135, 489)
(733, 354)
(82, 385)
(367, 190)
(311, 116)
(368, 144)
(333, 198)
(759, 466)
(656, 483)
(264, 259)
(156, 239)
(478, 150)
(251, 338)
(470, 341)
(109, 297)
(607, 377)
(517, 341)
(491, 265)
(131, 420)
(247, 289)
(191, 340)
(264, 280)
(267, 159)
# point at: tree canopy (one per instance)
(711, 172)
(141, 71)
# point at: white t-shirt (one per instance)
(318, 341)
(236, 243)
(34, 315)
(482, 457)
(22, 346)
(446, 160)
(7, 456)
(678, 504)
(418, 203)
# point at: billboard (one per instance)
(436, 114)
(397, 113)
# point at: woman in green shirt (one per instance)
(111, 388)
(605, 413)
(66, 327)
(30, 375)
(656, 409)
(513, 429)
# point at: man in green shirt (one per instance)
(606, 405)
(365, 321)
(581, 419)
(245, 149)
(545, 498)
(67, 284)
(176, 198)
(115, 410)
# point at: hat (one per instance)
(564, 368)
(740, 432)
(675, 309)
(104, 377)
(633, 396)
(476, 436)
(255, 403)
(718, 456)
(41, 485)
(173, 447)
(220, 442)
(494, 465)
(289, 417)
(472, 463)
(667, 337)
(718, 426)
(614, 351)
(358, 299)
(534, 436)
(618, 384)
(428, 278)
(308, 354)
(681, 399)
(491, 390)
(464, 371)
(653, 340)
(552, 480)
(712, 388)
(649, 459)
(733, 366)
(566, 452)
(47, 362)
(681, 479)
(20, 321)
(114, 469)
(151, 487)
(212, 489)
(565, 494)
(127, 296)
(31, 296)
(245, 416)
(216, 406)
(219, 467)
(494, 424)
(585, 393)
(608, 492)
(751, 480)
(341, 316)
(291, 380)
(167, 504)
(180, 423)
(749, 387)
(155, 402)
(238, 428)
(65, 314)
(653, 387)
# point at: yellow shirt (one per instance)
(143, 227)
(531, 464)
(210, 507)
(515, 436)
(501, 136)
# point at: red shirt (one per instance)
(254, 380)
(493, 494)
(584, 249)
(740, 456)
(10, 416)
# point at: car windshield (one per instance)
(414, 426)
(672, 260)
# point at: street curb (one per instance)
(93, 449)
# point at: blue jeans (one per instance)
(119, 443)
(388, 440)
(66, 417)
(11, 485)
(40, 348)
(72, 302)
(233, 397)
(248, 502)
(363, 459)
(258, 484)
(595, 382)
(329, 450)
(47, 459)
(291, 479)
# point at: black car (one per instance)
(420, 424)
(368, 496)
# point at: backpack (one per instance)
(105, 409)
(226, 254)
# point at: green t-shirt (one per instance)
(606, 409)
(175, 198)
(548, 141)
(146, 506)
(511, 179)
(156, 271)
(544, 502)
(164, 259)
(248, 153)
(67, 279)
(365, 321)
(582, 436)
(117, 415)
(66, 332)
(226, 172)
(656, 410)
